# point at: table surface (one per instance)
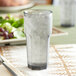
(61, 60)
(66, 39)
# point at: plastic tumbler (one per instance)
(68, 12)
(38, 28)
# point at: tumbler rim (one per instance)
(40, 10)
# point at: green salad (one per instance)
(11, 27)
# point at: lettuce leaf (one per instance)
(19, 34)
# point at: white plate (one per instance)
(13, 41)
(17, 8)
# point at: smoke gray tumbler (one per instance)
(68, 13)
(38, 28)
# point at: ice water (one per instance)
(38, 28)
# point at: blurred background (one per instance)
(64, 15)
(23, 2)
(51, 2)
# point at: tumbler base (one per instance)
(37, 66)
(67, 25)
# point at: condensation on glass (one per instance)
(38, 28)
